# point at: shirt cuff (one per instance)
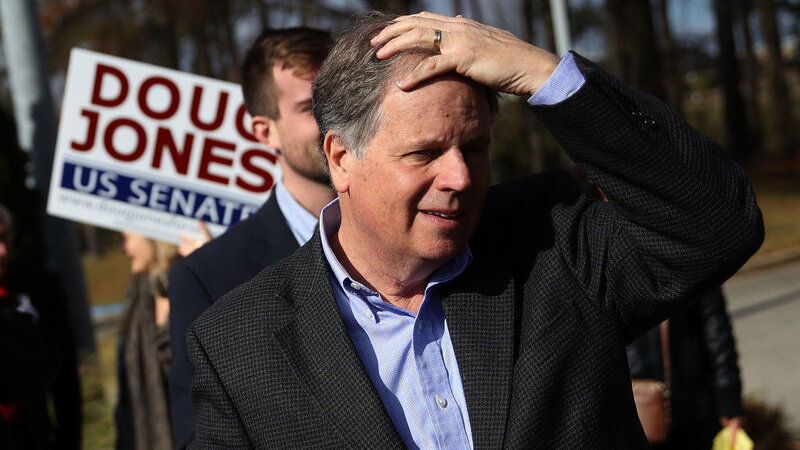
(563, 82)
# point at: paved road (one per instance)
(765, 309)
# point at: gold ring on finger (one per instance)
(437, 39)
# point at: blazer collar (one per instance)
(271, 234)
(318, 346)
(480, 310)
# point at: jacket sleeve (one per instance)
(217, 424)
(720, 346)
(188, 299)
(681, 216)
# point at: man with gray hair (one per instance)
(430, 311)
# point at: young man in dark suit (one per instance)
(430, 311)
(276, 82)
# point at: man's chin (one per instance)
(443, 251)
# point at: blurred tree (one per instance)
(476, 10)
(585, 18)
(458, 6)
(736, 127)
(531, 10)
(671, 73)
(752, 74)
(394, 6)
(780, 106)
(530, 150)
(633, 51)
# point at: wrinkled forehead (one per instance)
(405, 62)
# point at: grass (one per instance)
(106, 276)
(99, 386)
(780, 207)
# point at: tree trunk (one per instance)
(634, 54)
(549, 30)
(476, 12)
(529, 17)
(752, 74)
(672, 77)
(736, 130)
(228, 22)
(392, 6)
(780, 106)
(263, 13)
(458, 7)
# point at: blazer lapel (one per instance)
(272, 238)
(318, 346)
(479, 307)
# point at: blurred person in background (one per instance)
(706, 389)
(276, 82)
(144, 354)
(38, 361)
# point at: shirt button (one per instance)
(419, 326)
(355, 286)
(441, 401)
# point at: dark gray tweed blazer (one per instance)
(198, 280)
(540, 319)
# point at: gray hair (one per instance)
(352, 83)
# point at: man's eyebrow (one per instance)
(302, 104)
(436, 140)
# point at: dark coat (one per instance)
(41, 364)
(539, 321)
(143, 357)
(210, 272)
(705, 375)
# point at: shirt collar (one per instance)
(329, 220)
(300, 221)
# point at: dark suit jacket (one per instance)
(540, 319)
(201, 278)
(34, 366)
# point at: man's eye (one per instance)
(421, 155)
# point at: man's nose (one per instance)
(454, 173)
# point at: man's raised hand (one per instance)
(488, 55)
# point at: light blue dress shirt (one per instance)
(565, 80)
(301, 222)
(410, 358)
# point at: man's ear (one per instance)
(265, 132)
(339, 159)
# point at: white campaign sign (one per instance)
(151, 150)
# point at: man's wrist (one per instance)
(565, 80)
(543, 64)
